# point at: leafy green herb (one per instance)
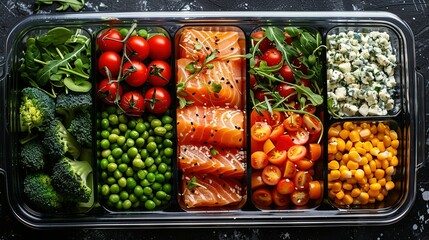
(194, 183)
(216, 87)
(198, 46)
(214, 152)
(76, 5)
(190, 67)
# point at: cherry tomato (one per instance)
(314, 138)
(256, 146)
(252, 81)
(109, 93)
(314, 151)
(279, 199)
(261, 95)
(296, 153)
(277, 132)
(158, 100)
(288, 39)
(287, 74)
(310, 109)
(256, 179)
(286, 91)
(159, 73)
(132, 103)
(260, 131)
(299, 198)
(304, 164)
(135, 73)
(160, 47)
(300, 137)
(290, 169)
(302, 180)
(271, 175)
(284, 142)
(110, 40)
(110, 60)
(285, 186)
(262, 197)
(315, 191)
(262, 116)
(305, 82)
(277, 157)
(276, 118)
(312, 124)
(137, 48)
(293, 122)
(265, 44)
(298, 65)
(259, 160)
(272, 56)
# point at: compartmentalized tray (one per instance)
(407, 121)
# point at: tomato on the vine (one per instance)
(110, 60)
(132, 103)
(159, 73)
(110, 40)
(286, 91)
(272, 56)
(160, 47)
(157, 100)
(271, 175)
(109, 92)
(135, 73)
(262, 197)
(293, 122)
(137, 48)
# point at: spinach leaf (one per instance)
(76, 5)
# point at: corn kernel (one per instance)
(352, 165)
(361, 150)
(344, 134)
(365, 187)
(359, 174)
(373, 193)
(347, 186)
(347, 199)
(365, 133)
(331, 194)
(351, 181)
(364, 197)
(387, 141)
(382, 182)
(372, 165)
(384, 192)
(379, 173)
(395, 144)
(389, 185)
(380, 197)
(367, 169)
(346, 174)
(367, 145)
(368, 156)
(390, 171)
(336, 186)
(393, 135)
(354, 136)
(331, 157)
(349, 145)
(335, 174)
(333, 131)
(333, 165)
(385, 164)
(354, 156)
(374, 141)
(375, 186)
(381, 128)
(380, 146)
(338, 155)
(377, 163)
(374, 151)
(363, 161)
(355, 192)
(339, 195)
(332, 148)
(373, 129)
(371, 200)
(372, 180)
(394, 162)
(348, 126)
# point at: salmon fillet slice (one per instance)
(215, 193)
(219, 127)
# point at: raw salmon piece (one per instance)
(227, 162)
(217, 192)
(199, 88)
(219, 127)
(197, 44)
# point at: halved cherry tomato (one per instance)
(315, 151)
(277, 157)
(262, 116)
(259, 160)
(135, 73)
(272, 56)
(312, 124)
(285, 186)
(293, 122)
(276, 118)
(279, 199)
(262, 197)
(296, 153)
(315, 191)
(260, 131)
(310, 109)
(268, 146)
(290, 170)
(314, 138)
(300, 198)
(286, 91)
(271, 175)
(257, 181)
(304, 164)
(287, 74)
(284, 142)
(110, 40)
(277, 132)
(300, 137)
(302, 180)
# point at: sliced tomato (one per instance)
(277, 132)
(271, 175)
(299, 198)
(314, 151)
(296, 153)
(268, 146)
(312, 124)
(314, 138)
(315, 190)
(256, 179)
(260, 131)
(285, 186)
(261, 116)
(277, 157)
(279, 199)
(300, 137)
(284, 142)
(293, 122)
(304, 164)
(290, 170)
(277, 118)
(262, 197)
(302, 180)
(259, 160)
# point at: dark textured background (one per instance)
(414, 226)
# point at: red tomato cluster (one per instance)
(137, 78)
(284, 151)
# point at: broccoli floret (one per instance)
(32, 155)
(81, 128)
(70, 177)
(37, 109)
(68, 104)
(58, 141)
(39, 190)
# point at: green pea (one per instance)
(152, 168)
(104, 175)
(113, 119)
(138, 163)
(167, 143)
(162, 168)
(168, 175)
(144, 154)
(117, 153)
(131, 183)
(122, 182)
(111, 180)
(122, 167)
(166, 119)
(126, 204)
(125, 158)
(121, 140)
(147, 191)
(150, 177)
(123, 127)
(104, 114)
(104, 123)
(140, 142)
(155, 153)
(166, 160)
(138, 191)
(158, 139)
(156, 186)
(147, 124)
(166, 188)
(105, 134)
(155, 123)
(123, 195)
(160, 195)
(115, 131)
(105, 190)
(168, 135)
(141, 174)
(114, 198)
(168, 151)
(132, 124)
(149, 162)
(132, 152)
(156, 201)
(130, 142)
(113, 137)
(158, 160)
(113, 146)
(111, 109)
(104, 144)
(114, 188)
(117, 174)
(150, 139)
(151, 117)
(142, 33)
(143, 198)
(123, 32)
(140, 128)
(160, 131)
(118, 205)
(168, 127)
(129, 172)
(132, 197)
(123, 118)
(111, 167)
(145, 135)
(103, 163)
(159, 178)
(134, 134)
(145, 183)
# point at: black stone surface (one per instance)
(415, 225)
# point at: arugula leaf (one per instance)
(76, 5)
(293, 31)
(194, 183)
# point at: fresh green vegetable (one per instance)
(68, 105)
(58, 141)
(32, 155)
(36, 110)
(39, 190)
(81, 128)
(76, 5)
(70, 177)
